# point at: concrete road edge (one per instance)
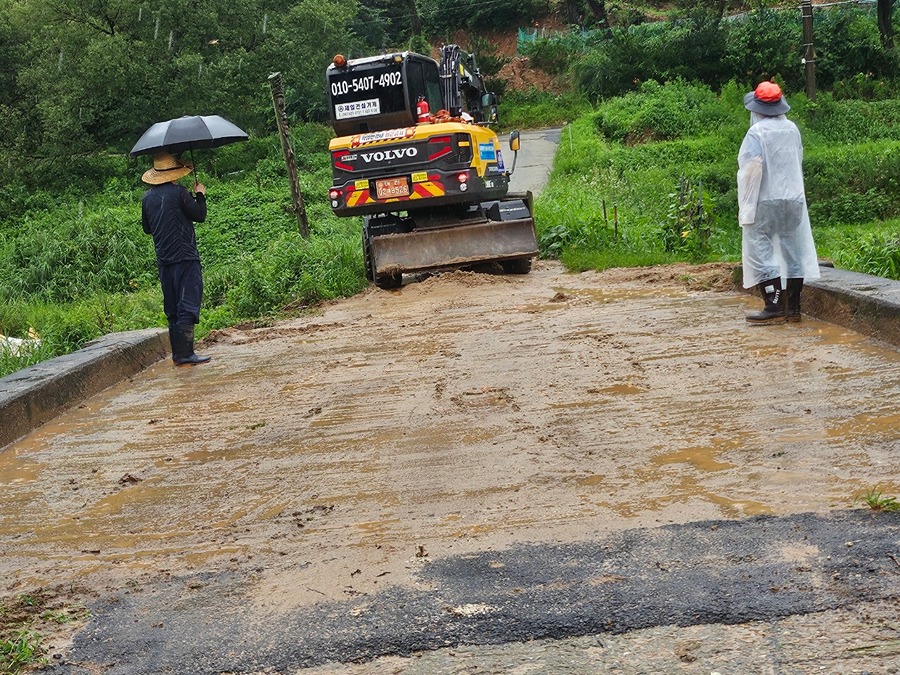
(864, 303)
(35, 395)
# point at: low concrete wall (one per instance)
(35, 395)
(869, 305)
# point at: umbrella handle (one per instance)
(194, 164)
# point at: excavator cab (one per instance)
(489, 108)
(380, 92)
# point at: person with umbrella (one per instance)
(168, 212)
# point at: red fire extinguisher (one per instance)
(422, 113)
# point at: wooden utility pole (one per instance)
(885, 23)
(277, 85)
(809, 52)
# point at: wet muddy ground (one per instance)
(331, 457)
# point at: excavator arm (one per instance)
(463, 88)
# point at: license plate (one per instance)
(391, 187)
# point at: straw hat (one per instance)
(166, 169)
(766, 99)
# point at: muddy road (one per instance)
(479, 473)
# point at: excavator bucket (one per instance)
(449, 247)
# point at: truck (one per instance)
(416, 156)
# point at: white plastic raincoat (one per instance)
(777, 237)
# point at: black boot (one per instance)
(773, 312)
(185, 355)
(174, 342)
(794, 288)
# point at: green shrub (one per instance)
(615, 66)
(538, 108)
(852, 183)
(764, 44)
(660, 112)
(555, 53)
(629, 151)
(62, 254)
(864, 86)
(486, 57)
(848, 43)
(293, 271)
(839, 121)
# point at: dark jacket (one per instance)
(168, 212)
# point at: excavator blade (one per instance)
(444, 248)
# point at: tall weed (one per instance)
(79, 268)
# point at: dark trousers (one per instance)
(182, 288)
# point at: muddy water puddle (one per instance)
(456, 414)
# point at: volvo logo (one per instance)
(382, 155)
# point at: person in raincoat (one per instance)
(168, 212)
(777, 241)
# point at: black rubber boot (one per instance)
(175, 342)
(185, 356)
(774, 298)
(794, 288)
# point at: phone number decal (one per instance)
(366, 83)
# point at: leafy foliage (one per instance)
(441, 17)
(764, 44)
(94, 76)
(618, 157)
(80, 270)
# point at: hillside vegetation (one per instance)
(654, 119)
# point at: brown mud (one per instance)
(328, 456)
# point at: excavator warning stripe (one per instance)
(359, 198)
(428, 189)
(420, 191)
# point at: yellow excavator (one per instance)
(414, 154)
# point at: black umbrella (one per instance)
(187, 133)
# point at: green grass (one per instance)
(78, 273)
(649, 157)
(19, 650)
(878, 501)
(538, 109)
(26, 619)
